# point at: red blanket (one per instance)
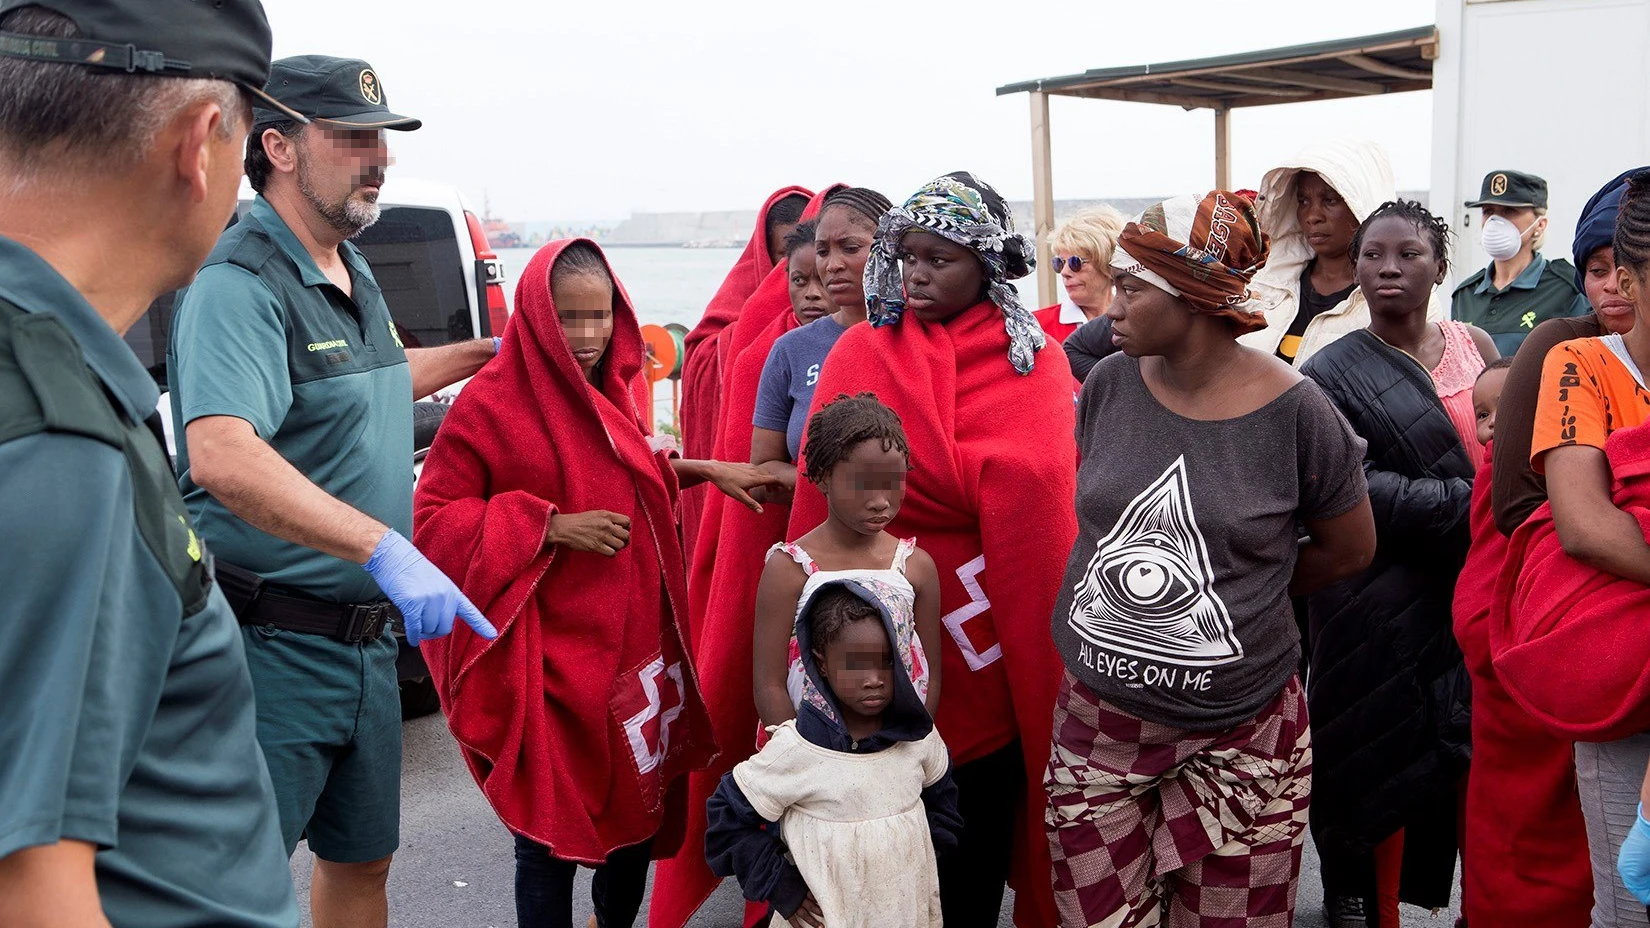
(1526, 860)
(989, 496)
(577, 719)
(722, 590)
(1568, 640)
(702, 369)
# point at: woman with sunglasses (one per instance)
(1310, 206)
(1082, 247)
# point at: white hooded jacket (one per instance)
(1358, 170)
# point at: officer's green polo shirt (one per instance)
(1544, 290)
(262, 335)
(127, 718)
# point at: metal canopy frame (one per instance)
(1392, 62)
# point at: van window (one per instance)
(415, 257)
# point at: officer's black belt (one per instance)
(259, 602)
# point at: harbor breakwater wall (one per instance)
(732, 228)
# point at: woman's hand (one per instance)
(597, 531)
(737, 480)
(781, 492)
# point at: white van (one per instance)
(443, 283)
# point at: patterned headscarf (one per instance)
(1204, 250)
(965, 210)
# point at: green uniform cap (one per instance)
(342, 91)
(226, 40)
(1512, 188)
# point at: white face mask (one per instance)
(1501, 239)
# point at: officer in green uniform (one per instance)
(1520, 289)
(292, 399)
(134, 791)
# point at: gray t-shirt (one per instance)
(789, 376)
(1175, 604)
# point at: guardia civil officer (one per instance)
(292, 398)
(132, 789)
(1520, 289)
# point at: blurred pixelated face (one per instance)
(1325, 219)
(584, 304)
(340, 172)
(842, 245)
(776, 240)
(865, 489)
(1615, 312)
(809, 300)
(1486, 397)
(859, 665)
(1146, 320)
(941, 277)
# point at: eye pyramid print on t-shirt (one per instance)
(1149, 590)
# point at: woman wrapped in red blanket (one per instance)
(1566, 629)
(986, 404)
(727, 567)
(702, 368)
(543, 497)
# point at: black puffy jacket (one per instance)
(1388, 694)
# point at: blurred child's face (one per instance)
(1486, 396)
(865, 489)
(859, 666)
(808, 297)
(584, 303)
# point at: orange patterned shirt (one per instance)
(1587, 392)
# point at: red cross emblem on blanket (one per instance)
(976, 638)
(649, 704)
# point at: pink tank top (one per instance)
(1454, 376)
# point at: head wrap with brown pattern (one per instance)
(1204, 250)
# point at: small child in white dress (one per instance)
(838, 819)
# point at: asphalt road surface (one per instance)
(455, 868)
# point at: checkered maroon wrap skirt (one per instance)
(1152, 824)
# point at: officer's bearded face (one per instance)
(340, 172)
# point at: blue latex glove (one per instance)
(427, 599)
(1634, 861)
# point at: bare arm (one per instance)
(924, 575)
(241, 470)
(1336, 549)
(776, 600)
(436, 368)
(1590, 527)
(735, 480)
(772, 454)
(1485, 344)
(51, 886)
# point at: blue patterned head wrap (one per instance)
(965, 210)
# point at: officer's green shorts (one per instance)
(329, 722)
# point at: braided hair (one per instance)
(834, 609)
(862, 200)
(1433, 227)
(837, 429)
(580, 259)
(801, 237)
(1632, 238)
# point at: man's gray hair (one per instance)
(61, 115)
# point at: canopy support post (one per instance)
(1223, 148)
(1042, 192)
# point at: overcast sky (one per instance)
(592, 109)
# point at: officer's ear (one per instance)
(281, 149)
(199, 138)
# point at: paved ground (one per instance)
(455, 868)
